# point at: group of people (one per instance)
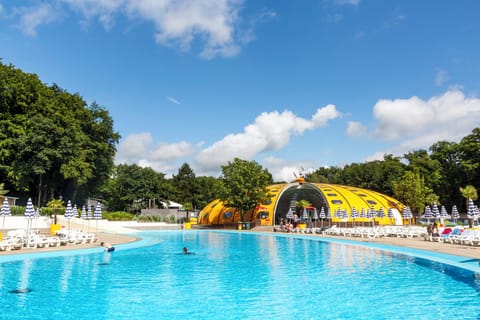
(288, 226)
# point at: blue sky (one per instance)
(289, 84)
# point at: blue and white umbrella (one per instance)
(371, 214)
(74, 213)
(322, 215)
(363, 213)
(455, 214)
(435, 212)
(305, 214)
(390, 214)
(315, 216)
(5, 211)
(353, 214)
(443, 213)
(427, 214)
(97, 214)
(290, 214)
(407, 214)
(471, 211)
(381, 213)
(83, 215)
(29, 214)
(68, 213)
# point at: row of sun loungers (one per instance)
(377, 232)
(457, 235)
(20, 239)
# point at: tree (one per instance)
(245, 185)
(411, 191)
(133, 188)
(3, 191)
(185, 185)
(55, 204)
(469, 192)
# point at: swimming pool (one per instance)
(236, 276)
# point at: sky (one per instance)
(293, 85)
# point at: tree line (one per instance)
(53, 146)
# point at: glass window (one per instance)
(362, 195)
(336, 201)
(268, 201)
(371, 202)
(262, 215)
(227, 215)
(331, 194)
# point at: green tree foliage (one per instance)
(209, 188)
(51, 143)
(133, 188)
(411, 191)
(245, 185)
(185, 186)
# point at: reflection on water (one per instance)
(235, 275)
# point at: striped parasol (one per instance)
(427, 214)
(443, 213)
(471, 212)
(381, 213)
(354, 214)
(29, 214)
(5, 211)
(455, 214)
(97, 214)
(83, 215)
(435, 211)
(390, 214)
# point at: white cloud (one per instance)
(270, 131)
(282, 170)
(104, 10)
(356, 129)
(173, 100)
(33, 17)
(347, 2)
(213, 24)
(415, 123)
(139, 149)
(441, 77)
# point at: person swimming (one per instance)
(108, 246)
(185, 251)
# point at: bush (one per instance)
(118, 216)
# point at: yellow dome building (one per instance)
(330, 198)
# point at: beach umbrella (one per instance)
(435, 212)
(322, 215)
(83, 215)
(315, 216)
(455, 214)
(407, 214)
(5, 211)
(381, 213)
(444, 214)
(371, 214)
(390, 214)
(68, 213)
(427, 214)
(305, 214)
(353, 214)
(97, 214)
(471, 210)
(29, 214)
(89, 216)
(290, 214)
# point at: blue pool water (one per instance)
(236, 276)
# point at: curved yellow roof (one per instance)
(329, 197)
